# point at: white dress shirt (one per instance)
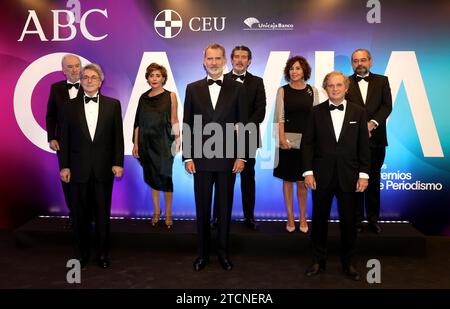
(337, 117)
(363, 86)
(91, 113)
(214, 91)
(73, 92)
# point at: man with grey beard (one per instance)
(371, 91)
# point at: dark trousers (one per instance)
(370, 199)
(223, 184)
(66, 190)
(247, 191)
(322, 202)
(67, 196)
(84, 210)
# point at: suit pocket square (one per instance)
(352, 122)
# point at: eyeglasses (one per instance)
(92, 78)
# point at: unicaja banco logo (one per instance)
(251, 21)
(168, 24)
(254, 24)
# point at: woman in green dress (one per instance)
(156, 139)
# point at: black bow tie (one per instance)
(235, 76)
(359, 78)
(76, 85)
(339, 107)
(87, 99)
(212, 81)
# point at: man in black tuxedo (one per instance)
(60, 93)
(213, 104)
(371, 91)
(92, 151)
(336, 159)
(241, 57)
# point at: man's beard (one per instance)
(215, 70)
(361, 70)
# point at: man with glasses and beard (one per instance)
(371, 91)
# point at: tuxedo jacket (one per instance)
(230, 109)
(82, 154)
(346, 157)
(59, 96)
(255, 102)
(378, 104)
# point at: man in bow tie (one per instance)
(92, 152)
(213, 104)
(335, 159)
(241, 57)
(371, 91)
(60, 93)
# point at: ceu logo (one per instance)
(168, 24)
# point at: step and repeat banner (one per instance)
(408, 40)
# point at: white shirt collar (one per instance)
(344, 102)
(96, 94)
(233, 72)
(209, 77)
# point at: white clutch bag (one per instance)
(294, 139)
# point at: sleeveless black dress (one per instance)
(297, 109)
(155, 140)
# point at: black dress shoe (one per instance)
(68, 225)
(200, 263)
(225, 263)
(215, 223)
(359, 227)
(375, 227)
(251, 224)
(351, 272)
(315, 269)
(103, 262)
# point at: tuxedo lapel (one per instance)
(82, 118)
(248, 78)
(370, 88)
(222, 99)
(327, 118)
(348, 115)
(357, 90)
(64, 91)
(206, 98)
(102, 105)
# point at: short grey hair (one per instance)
(327, 77)
(369, 55)
(69, 55)
(94, 67)
(214, 46)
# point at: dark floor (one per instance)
(35, 256)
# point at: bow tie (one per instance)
(339, 107)
(76, 85)
(235, 76)
(212, 81)
(87, 99)
(359, 78)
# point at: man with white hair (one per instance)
(60, 93)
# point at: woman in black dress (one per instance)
(156, 139)
(293, 106)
